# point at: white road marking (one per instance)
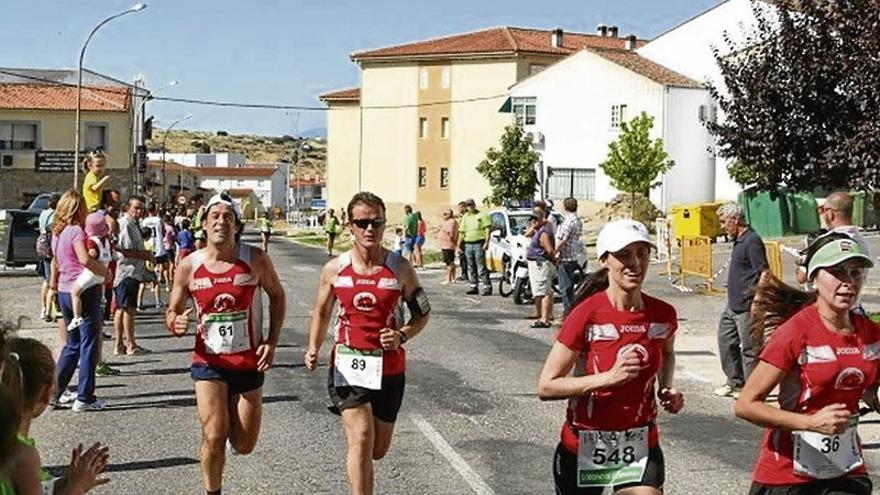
(470, 476)
(693, 376)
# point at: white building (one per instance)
(268, 183)
(573, 110)
(202, 159)
(687, 49)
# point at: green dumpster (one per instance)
(858, 217)
(769, 216)
(803, 212)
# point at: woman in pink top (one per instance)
(71, 258)
(448, 241)
(422, 229)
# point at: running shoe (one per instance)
(472, 292)
(80, 406)
(75, 323)
(727, 391)
(104, 369)
(44, 314)
(66, 398)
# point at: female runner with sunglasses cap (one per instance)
(367, 365)
(824, 357)
(615, 344)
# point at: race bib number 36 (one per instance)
(827, 456)
(227, 333)
(608, 458)
(356, 368)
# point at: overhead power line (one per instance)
(229, 104)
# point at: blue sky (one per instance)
(275, 51)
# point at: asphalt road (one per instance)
(471, 421)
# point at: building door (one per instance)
(577, 183)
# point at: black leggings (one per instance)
(845, 485)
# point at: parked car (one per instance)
(19, 230)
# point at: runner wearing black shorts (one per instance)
(368, 363)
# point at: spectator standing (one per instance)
(747, 260)
(448, 243)
(410, 231)
(421, 231)
(541, 256)
(82, 343)
(569, 246)
(198, 205)
(836, 213)
(398, 243)
(462, 259)
(44, 243)
(110, 206)
(130, 272)
(186, 241)
(474, 228)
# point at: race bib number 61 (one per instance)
(226, 333)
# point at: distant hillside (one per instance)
(258, 149)
(315, 132)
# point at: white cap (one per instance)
(225, 199)
(619, 234)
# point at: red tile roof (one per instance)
(648, 68)
(347, 94)
(235, 171)
(49, 97)
(306, 182)
(500, 40)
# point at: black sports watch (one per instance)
(403, 337)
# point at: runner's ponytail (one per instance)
(593, 283)
(10, 420)
(774, 303)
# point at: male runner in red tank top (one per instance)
(230, 354)
(367, 365)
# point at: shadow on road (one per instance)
(137, 465)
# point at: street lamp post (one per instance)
(303, 146)
(164, 139)
(140, 116)
(136, 8)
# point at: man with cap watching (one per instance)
(541, 256)
(747, 260)
(474, 228)
(225, 280)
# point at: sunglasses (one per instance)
(363, 223)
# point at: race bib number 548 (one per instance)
(608, 458)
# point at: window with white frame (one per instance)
(618, 115)
(18, 136)
(444, 127)
(525, 110)
(445, 76)
(97, 136)
(423, 78)
(423, 127)
(571, 182)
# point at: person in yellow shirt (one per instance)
(96, 178)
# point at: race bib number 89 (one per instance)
(608, 458)
(827, 456)
(356, 368)
(227, 333)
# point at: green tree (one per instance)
(510, 171)
(634, 161)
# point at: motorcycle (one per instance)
(515, 275)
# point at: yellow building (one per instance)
(426, 113)
(37, 117)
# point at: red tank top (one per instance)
(367, 304)
(220, 300)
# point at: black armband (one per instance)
(418, 303)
